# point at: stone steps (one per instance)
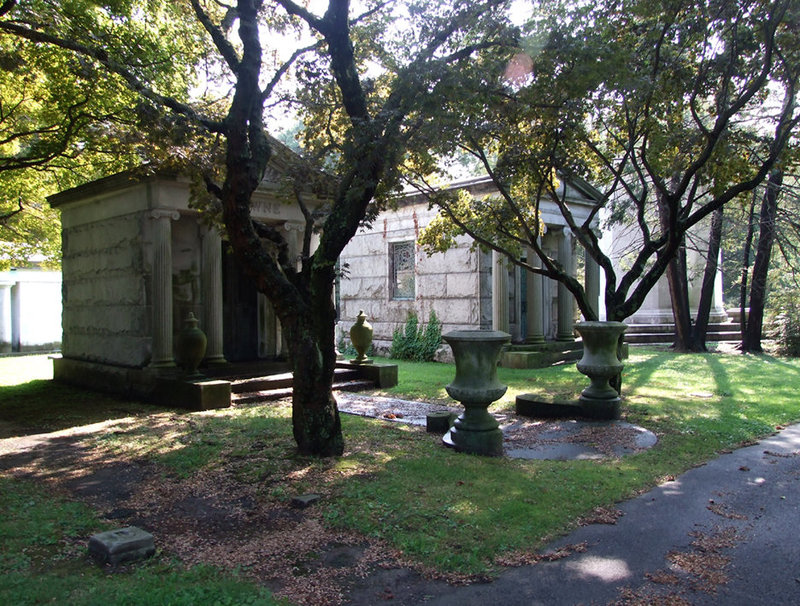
(647, 334)
(274, 387)
(541, 356)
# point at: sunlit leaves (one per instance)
(670, 109)
(65, 120)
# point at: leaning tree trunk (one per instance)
(751, 340)
(748, 244)
(700, 329)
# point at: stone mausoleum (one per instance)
(30, 310)
(387, 275)
(137, 259)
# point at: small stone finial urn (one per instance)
(361, 338)
(191, 346)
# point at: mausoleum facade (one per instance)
(386, 274)
(137, 259)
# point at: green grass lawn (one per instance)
(449, 511)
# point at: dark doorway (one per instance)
(240, 312)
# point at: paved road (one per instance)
(732, 526)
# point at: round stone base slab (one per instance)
(486, 443)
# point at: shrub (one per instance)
(415, 342)
(787, 333)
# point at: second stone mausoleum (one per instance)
(388, 275)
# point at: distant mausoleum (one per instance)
(30, 310)
(386, 274)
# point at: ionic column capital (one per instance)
(164, 213)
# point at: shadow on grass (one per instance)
(43, 406)
(640, 373)
(782, 362)
(720, 374)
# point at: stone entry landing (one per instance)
(263, 381)
(541, 355)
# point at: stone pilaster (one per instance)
(535, 317)
(566, 302)
(212, 295)
(499, 292)
(162, 356)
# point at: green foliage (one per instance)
(650, 102)
(786, 333)
(65, 120)
(417, 343)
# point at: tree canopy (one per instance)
(65, 120)
(671, 109)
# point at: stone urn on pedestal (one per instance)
(361, 338)
(476, 386)
(191, 347)
(600, 363)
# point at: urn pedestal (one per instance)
(600, 363)
(476, 386)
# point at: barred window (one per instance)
(401, 258)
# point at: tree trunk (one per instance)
(316, 424)
(676, 273)
(748, 244)
(679, 297)
(751, 340)
(700, 328)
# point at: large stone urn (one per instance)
(476, 386)
(600, 363)
(361, 338)
(191, 347)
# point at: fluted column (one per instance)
(535, 317)
(566, 302)
(591, 279)
(6, 333)
(162, 356)
(212, 295)
(499, 292)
